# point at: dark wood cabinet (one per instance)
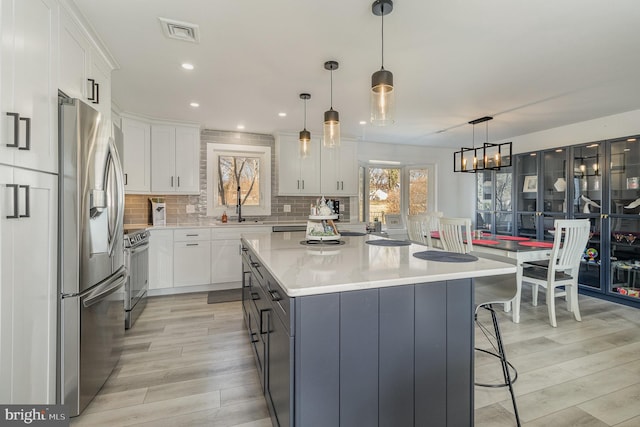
(394, 356)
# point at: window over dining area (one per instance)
(402, 190)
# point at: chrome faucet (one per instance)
(239, 207)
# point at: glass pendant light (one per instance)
(331, 137)
(382, 93)
(305, 135)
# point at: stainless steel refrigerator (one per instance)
(92, 271)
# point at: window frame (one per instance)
(214, 151)
(363, 210)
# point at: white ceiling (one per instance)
(533, 65)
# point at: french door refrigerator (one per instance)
(92, 271)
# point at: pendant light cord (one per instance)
(382, 32)
(305, 114)
(331, 94)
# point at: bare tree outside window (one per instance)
(418, 191)
(384, 192)
(234, 171)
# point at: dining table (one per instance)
(519, 248)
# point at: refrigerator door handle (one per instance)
(115, 224)
(109, 286)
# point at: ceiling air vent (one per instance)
(180, 30)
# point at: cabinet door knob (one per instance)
(27, 135)
(16, 129)
(97, 100)
(15, 201)
(92, 82)
(27, 205)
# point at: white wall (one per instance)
(452, 192)
(608, 127)
(456, 191)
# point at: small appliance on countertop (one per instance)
(158, 211)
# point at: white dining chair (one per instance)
(430, 224)
(455, 234)
(498, 290)
(570, 239)
(414, 229)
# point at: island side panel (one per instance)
(359, 358)
(431, 354)
(460, 343)
(396, 356)
(317, 367)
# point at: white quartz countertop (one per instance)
(230, 224)
(306, 270)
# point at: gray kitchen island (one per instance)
(356, 334)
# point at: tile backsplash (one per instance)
(138, 210)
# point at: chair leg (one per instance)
(551, 306)
(503, 361)
(575, 308)
(534, 295)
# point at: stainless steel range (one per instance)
(136, 249)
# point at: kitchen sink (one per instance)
(235, 223)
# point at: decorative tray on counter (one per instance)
(321, 227)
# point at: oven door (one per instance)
(137, 261)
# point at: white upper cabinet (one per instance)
(175, 159)
(28, 86)
(137, 155)
(297, 176)
(75, 58)
(339, 170)
(84, 72)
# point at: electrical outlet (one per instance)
(191, 208)
(287, 208)
(341, 207)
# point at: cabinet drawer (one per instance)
(191, 234)
(280, 302)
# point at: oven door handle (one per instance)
(138, 249)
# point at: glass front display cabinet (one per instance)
(624, 218)
(494, 194)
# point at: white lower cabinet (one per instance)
(226, 262)
(191, 257)
(226, 259)
(183, 257)
(161, 259)
(28, 286)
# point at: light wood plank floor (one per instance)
(188, 363)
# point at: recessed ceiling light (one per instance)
(282, 114)
(194, 104)
(240, 127)
(187, 66)
(363, 122)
